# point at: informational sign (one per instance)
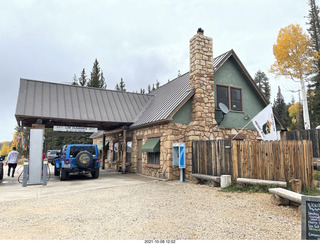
(75, 129)
(310, 221)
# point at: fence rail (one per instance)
(279, 160)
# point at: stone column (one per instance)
(201, 78)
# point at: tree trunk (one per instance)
(306, 120)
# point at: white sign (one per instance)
(265, 124)
(75, 129)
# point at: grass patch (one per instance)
(312, 192)
(246, 188)
(316, 175)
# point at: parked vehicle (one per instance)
(77, 158)
(2, 157)
(52, 155)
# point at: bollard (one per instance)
(25, 173)
(225, 181)
(44, 170)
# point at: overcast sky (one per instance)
(139, 41)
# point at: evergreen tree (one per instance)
(280, 108)
(83, 78)
(262, 81)
(149, 88)
(142, 91)
(96, 79)
(75, 80)
(157, 84)
(314, 89)
(122, 85)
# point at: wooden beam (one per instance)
(207, 177)
(262, 182)
(292, 196)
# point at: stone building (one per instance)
(183, 110)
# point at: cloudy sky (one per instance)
(140, 41)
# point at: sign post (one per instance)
(310, 219)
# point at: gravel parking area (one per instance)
(155, 210)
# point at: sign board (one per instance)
(310, 219)
(74, 129)
(182, 160)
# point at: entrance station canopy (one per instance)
(59, 104)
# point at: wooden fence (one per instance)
(313, 135)
(279, 160)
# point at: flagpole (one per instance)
(251, 120)
(243, 127)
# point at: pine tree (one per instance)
(75, 80)
(117, 88)
(314, 89)
(97, 79)
(262, 81)
(83, 78)
(122, 85)
(280, 108)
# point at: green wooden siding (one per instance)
(184, 115)
(230, 74)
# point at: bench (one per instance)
(284, 196)
(207, 177)
(262, 182)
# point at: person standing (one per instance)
(12, 160)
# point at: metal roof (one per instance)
(56, 103)
(166, 100)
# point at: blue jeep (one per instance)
(77, 158)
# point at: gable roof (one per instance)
(60, 104)
(167, 100)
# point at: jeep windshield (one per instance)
(74, 150)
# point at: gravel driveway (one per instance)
(155, 210)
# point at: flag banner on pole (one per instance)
(265, 124)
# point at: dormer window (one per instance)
(229, 96)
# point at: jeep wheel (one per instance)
(84, 159)
(63, 174)
(56, 171)
(95, 174)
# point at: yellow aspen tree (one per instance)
(5, 149)
(14, 142)
(295, 60)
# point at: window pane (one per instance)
(236, 99)
(222, 95)
(129, 147)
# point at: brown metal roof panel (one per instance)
(61, 102)
(166, 99)
(29, 103)
(93, 95)
(22, 97)
(53, 101)
(46, 110)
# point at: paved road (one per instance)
(11, 189)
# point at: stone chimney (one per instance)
(201, 78)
